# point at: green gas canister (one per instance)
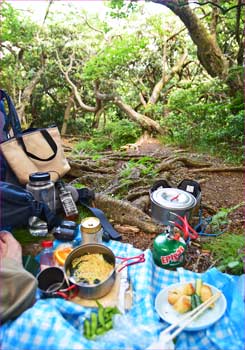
(169, 250)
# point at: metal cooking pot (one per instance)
(94, 291)
(165, 201)
(52, 284)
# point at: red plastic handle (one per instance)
(62, 292)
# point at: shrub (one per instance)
(114, 135)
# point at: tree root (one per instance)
(124, 213)
(213, 170)
(134, 195)
(94, 181)
(142, 203)
(209, 208)
(169, 164)
(78, 168)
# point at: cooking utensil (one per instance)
(52, 283)
(165, 201)
(137, 259)
(124, 285)
(94, 291)
(188, 231)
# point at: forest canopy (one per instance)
(177, 74)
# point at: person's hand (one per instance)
(9, 247)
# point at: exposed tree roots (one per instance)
(123, 212)
(125, 199)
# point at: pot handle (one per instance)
(62, 292)
(160, 183)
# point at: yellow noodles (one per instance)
(91, 268)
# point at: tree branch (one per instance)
(91, 27)
(73, 86)
(165, 79)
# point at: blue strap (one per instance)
(200, 228)
(85, 197)
(12, 117)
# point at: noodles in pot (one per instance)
(91, 268)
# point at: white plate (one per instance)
(209, 317)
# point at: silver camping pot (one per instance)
(101, 288)
(165, 201)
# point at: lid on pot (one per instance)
(173, 198)
(90, 225)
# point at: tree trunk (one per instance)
(67, 114)
(209, 53)
(26, 97)
(165, 79)
(145, 122)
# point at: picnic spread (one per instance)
(95, 292)
(55, 323)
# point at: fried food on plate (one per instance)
(183, 304)
(206, 293)
(175, 294)
(187, 297)
(188, 289)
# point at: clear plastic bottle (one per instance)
(43, 190)
(67, 201)
(47, 255)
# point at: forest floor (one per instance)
(220, 189)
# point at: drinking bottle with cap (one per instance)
(43, 190)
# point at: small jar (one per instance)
(91, 230)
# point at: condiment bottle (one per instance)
(91, 230)
(46, 255)
(67, 201)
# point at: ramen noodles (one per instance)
(91, 268)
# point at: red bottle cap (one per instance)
(47, 244)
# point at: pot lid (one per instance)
(173, 198)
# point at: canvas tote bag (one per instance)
(33, 150)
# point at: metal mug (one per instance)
(52, 283)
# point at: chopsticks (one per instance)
(187, 319)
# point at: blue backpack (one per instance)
(17, 205)
(6, 174)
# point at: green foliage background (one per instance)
(125, 59)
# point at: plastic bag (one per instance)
(126, 334)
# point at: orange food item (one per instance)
(61, 254)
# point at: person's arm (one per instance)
(17, 286)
